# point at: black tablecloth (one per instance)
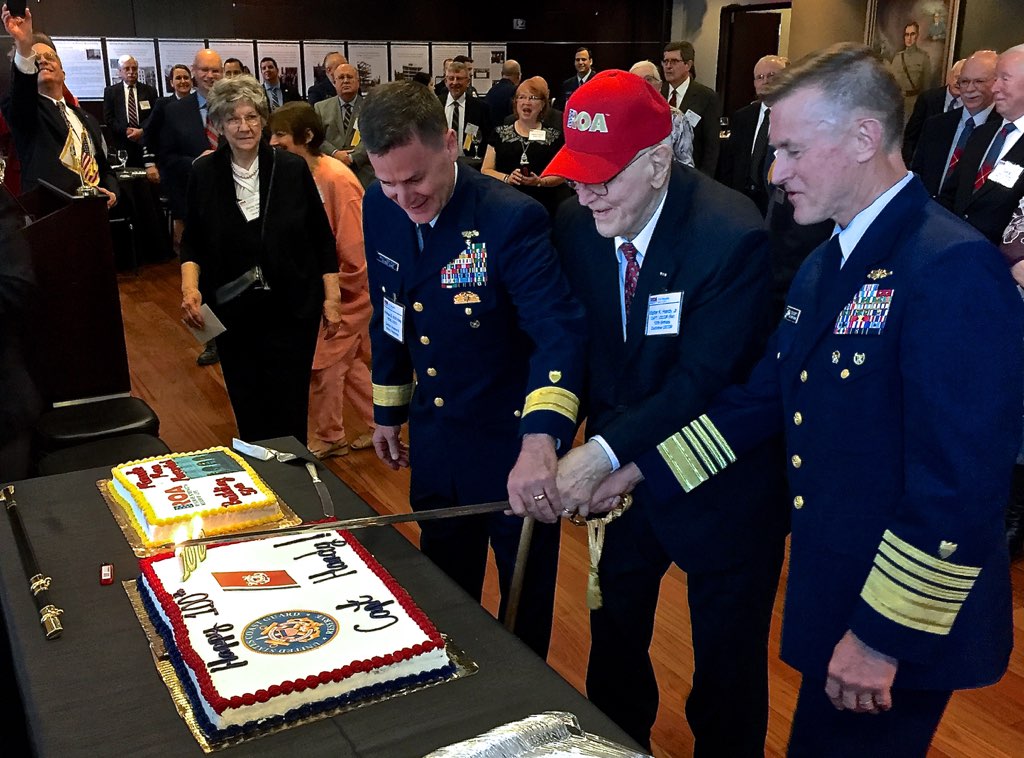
(95, 691)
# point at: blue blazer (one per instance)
(900, 442)
(495, 357)
(181, 139)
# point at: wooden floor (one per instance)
(194, 413)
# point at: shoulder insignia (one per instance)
(879, 273)
(946, 549)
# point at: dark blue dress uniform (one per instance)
(489, 347)
(889, 378)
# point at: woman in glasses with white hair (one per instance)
(258, 249)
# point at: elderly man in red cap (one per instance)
(674, 272)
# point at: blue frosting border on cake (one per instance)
(254, 728)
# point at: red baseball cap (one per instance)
(608, 121)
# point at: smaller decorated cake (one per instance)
(162, 495)
(267, 632)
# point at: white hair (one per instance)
(124, 60)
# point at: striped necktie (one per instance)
(133, 108)
(992, 156)
(672, 102)
(958, 151)
(346, 117)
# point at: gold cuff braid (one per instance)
(392, 395)
(556, 399)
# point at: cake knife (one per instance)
(321, 490)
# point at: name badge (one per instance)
(537, 135)
(693, 118)
(1006, 173)
(250, 208)
(143, 105)
(663, 313)
(394, 319)
(389, 262)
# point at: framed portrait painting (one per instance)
(915, 38)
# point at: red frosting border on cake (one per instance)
(198, 667)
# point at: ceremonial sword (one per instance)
(518, 573)
(348, 524)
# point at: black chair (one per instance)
(72, 425)
(106, 452)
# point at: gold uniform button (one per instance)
(469, 311)
(798, 418)
(424, 340)
(431, 372)
(844, 374)
(517, 413)
(798, 502)
(797, 462)
(803, 376)
(439, 402)
(418, 307)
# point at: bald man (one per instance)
(323, 89)
(748, 153)
(499, 96)
(56, 141)
(127, 106)
(184, 135)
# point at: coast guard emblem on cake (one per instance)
(288, 632)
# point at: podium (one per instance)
(75, 337)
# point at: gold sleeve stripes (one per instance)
(555, 399)
(392, 395)
(914, 589)
(696, 453)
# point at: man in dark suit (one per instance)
(469, 117)
(898, 589)
(278, 91)
(468, 298)
(184, 135)
(930, 103)
(698, 103)
(499, 97)
(584, 63)
(673, 272)
(945, 136)
(127, 107)
(324, 87)
(184, 132)
(340, 116)
(748, 154)
(988, 181)
(56, 141)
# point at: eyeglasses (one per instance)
(764, 77)
(671, 61)
(601, 189)
(250, 120)
(968, 83)
(530, 98)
